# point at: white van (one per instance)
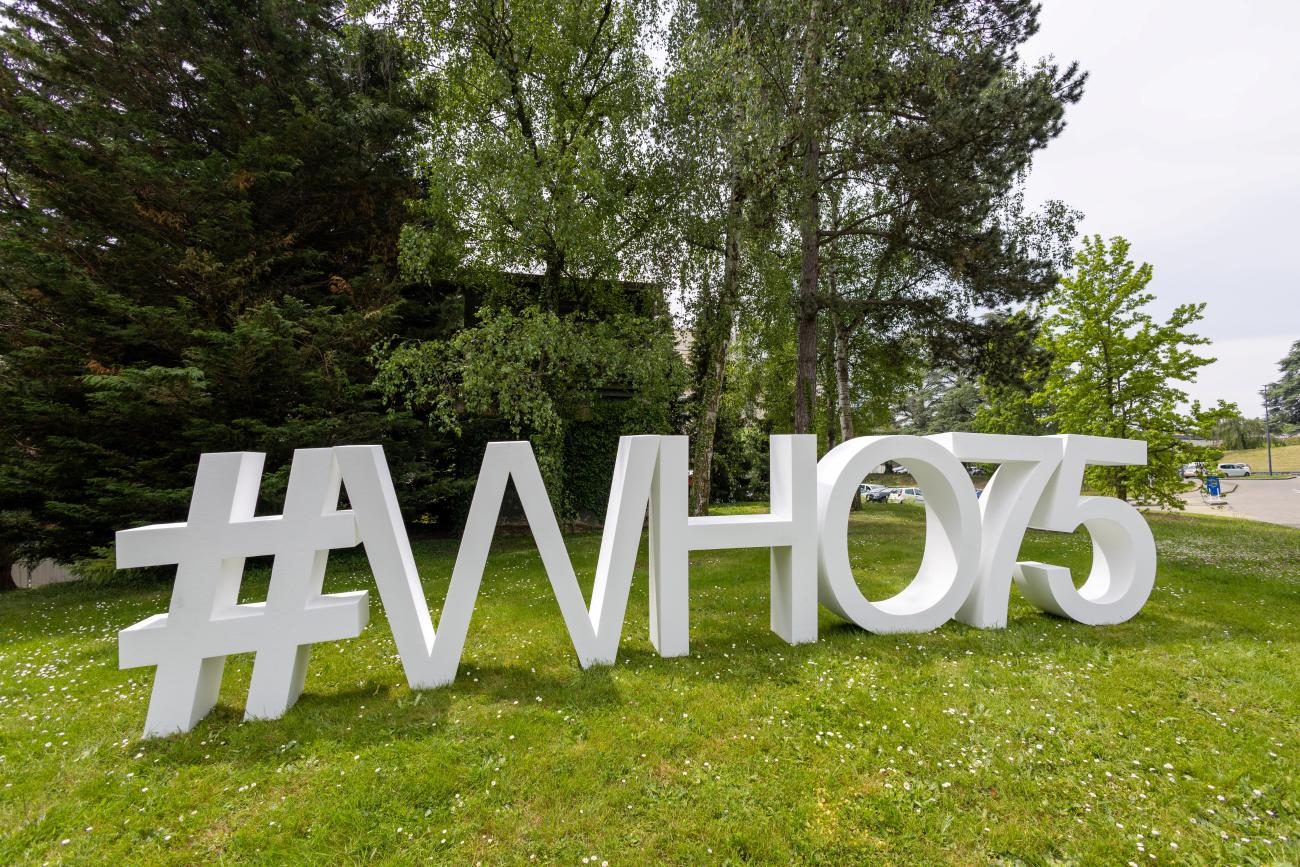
(1234, 470)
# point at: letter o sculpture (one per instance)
(952, 534)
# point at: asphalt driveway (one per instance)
(1277, 502)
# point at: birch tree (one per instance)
(922, 114)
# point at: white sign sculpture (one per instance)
(205, 622)
(966, 570)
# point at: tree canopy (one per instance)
(1284, 395)
(428, 223)
(539, 157)
(1116, 371)
(198, 240)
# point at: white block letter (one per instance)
(1123, 551)
(789, 530)
(431, 659)
(952, 541)
(1026, 464)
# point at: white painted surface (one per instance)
(42, 574)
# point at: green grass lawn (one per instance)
(1173, 738)
(1286, 458)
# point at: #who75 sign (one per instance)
(966, 571)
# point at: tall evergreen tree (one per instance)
(198, 224)
(1284, 395)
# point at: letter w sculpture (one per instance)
(204, 624)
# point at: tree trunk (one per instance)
(840, 330)
(827, 361)
(717, 332)
(551, 280)
(842, 379)
(7, 570)
(805, 384)
(836, 398)
(706, 428)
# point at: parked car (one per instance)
(975, 470)
(1234, 470)
(1193, 470)
(900, 469)
(873, 493)
(907, 495)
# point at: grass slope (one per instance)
(1174, 738)
(1285, 458)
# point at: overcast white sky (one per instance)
(1187, 142)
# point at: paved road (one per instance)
(1277, 502)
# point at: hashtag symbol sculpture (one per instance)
(205, 622)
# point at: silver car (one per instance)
(907, 495)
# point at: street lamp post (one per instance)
(1268, 432)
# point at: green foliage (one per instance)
(883, 145)
(537, 158)
(993, 391)
(945, 401)
(763, 365)
(591, 444)
(207, 212)
(538, 372)
(100, 567)
(198, 225)
(740, 457)
(1013, 370)
(1283, 396)
(1115, 371)
(909, 134)
(1205, 421)
(1238, 433)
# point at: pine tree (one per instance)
(199, 210)
(1283, 396)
